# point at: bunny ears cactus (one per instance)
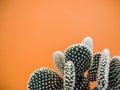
(72, 64)
(45, 79)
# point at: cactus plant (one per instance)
(59, 61)
(80, 55)
(103, 70)
(88, 42)
(81, 83)
(69, 76)
(114, 74)
(45, 79)
(72, 64)
(92, 72)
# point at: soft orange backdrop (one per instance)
(31, 30)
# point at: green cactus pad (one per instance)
(81, 83)
(92, 72)
(59, 61)
(81, 57)
(103, 70)
(45, 79)
(69, 76)
(114, 74)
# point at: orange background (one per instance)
(31, 30)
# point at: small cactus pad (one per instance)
(69, 76)
(88, 41)
(114, 74)
(81, 83)
(92, 72)
(103, 70)
(81, 57)
(59, 61)
(45, 79)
